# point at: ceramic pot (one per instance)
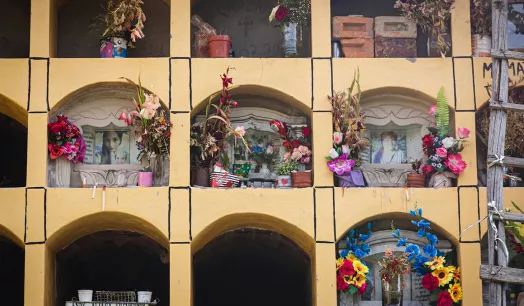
(144, 296)
(284, 181)
(442, 180)
(112, 47)
(85, 295)
(63, 172)
(416, 180)
(289, 39)
(145, 179)
(352, 179)
(301, 179)
(481, 45)
(200, 177)
(264, 171)
(219, 45)
(392, 292)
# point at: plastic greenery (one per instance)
(286, 167)
(442, 114)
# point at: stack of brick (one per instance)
(395, 37)
(355, 35)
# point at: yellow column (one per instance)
(321, 28)
(179, 160)
(461, 28)
(325, 277)
(180, 275)
(469, 263)
(43, 29)
(322, 131)
(37, 150)
(324, 230)
(180, 28)
(469, 155)
(39, 271)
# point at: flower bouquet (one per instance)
(348, 143)
(124, 24)
(443, 151)
(393, 272)
(152, 131)
(351, 269)
(292, 16)
(439, 278)
(264, 156)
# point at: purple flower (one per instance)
(341, 164)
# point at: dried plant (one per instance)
(481, 17)
(124, 18)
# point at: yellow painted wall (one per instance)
(45, 219)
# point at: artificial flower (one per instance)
(54, 151)
(333, 153)
(338, 137)
(419, 265)
(449, 142)
(345, 149)
(306, 132)
(444, 299)
(348, 279)
(456, 275)
(360, 279)
(388, 252)
(430, 282)
(347, 268)
(351, 257)
(360, 267)
(226, 81)
(432, 238)
(341, 164)
(136, 33)
(281, 13)
(273, 12)
(463, 132)
(270, 149)
(341, 283)
(437, 263)
(402, 242)
(306, 160)
(286, 156)
(296, 155)
(430, 250)
(444, 275)
(239, 130)
(432, 110)
(455, 292)
(362, 288)
(455, 163)
(426, 169)
(340, 261)
(125, 118)
(147, 113)
(57, 127)
(413, 251)
(442, 152)
(303, 150)
(152, 101)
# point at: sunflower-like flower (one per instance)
(351, 257)
(444, 275)
(360, 267)
(360, 279)
(350, 280)
(340, 262)
(455, 292)
(456, 275)
(437, 263)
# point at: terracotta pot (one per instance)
(219, 45)
(416, 180)
(301, 179)
(200, 177)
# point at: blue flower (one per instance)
(344, 253)
(420, 212)
(396, 233)
(365, 237)
(430, 250)
(365, 248)
(351, 232)
(421, 232)
(413, 213)
(402, 242)
(440, 253)
(422, 223)
(359, 253)
(419, 265)
(432, 238)
(413, 251)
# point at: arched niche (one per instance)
(78, 36)
(247, 22)
(95, 110)
(12, 256)
(14, 33)
(404, 112)
(380, 240)
(13, 162)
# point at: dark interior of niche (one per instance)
(376, 8)
(14, 28)
(12, 262)
(247, 22)
(112, 261)
(254, 267)
(13, 161)
(79, 35)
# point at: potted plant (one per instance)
(348, 142)
(65, 144)
(481, 27)
(152, 130)
(443, 151)
(393, 272)
(416, 179)
(433, 16)
(284, 171)
(124, 24)
(291, 16)
(209, 138)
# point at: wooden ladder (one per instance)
(497, 272)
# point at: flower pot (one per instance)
(351, 179)
(416, 180)
(85, 295)
(284, 181)
(301, 179)
(63, 172)
(144, 296)
(481, 45)
(219, 45)
(264, 171)
(392, 292)
(442, 180)
(200, 177)
(289, 39)
(112, 47)
(145, 179)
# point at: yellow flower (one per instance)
(352, 257)
(444, 275)
(360, 267)
(349, 279)
(520, 229)
(456, 292)
(359, 279)
(456, 275)
(437, 263)
(340, 262)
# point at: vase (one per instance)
(284, 181)
(200, 177)
(289, 39)
(348, 299)
(145, 179)
(160, 168)
(63, 172)
(112, 47)
(219, 45)
(416, 180)
(392, 291)
(351, 179)
(85, 295)
(442, 180)
(481, 45)
(264, 171)
(301, 179)
(432, 45)
(144, 296)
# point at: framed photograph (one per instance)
(112, 146)
(388, 147)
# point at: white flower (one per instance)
(333, 153)
(240, 131)
(153, 101)
(449, 142)
(273, 12)
(345, 149)
(270, 149)
(147, 113)
(338, 137)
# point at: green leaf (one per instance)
(352, 290)
(442, 114)
(434, 295)
(328, 158)
(516, 207)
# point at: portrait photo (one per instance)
(388, 147)
(112, 146)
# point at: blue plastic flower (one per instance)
(413, 213)
(351, 232)
(420, 212)
(422, 223)
(432, 238)
(419, 265)
(359, 253)
(421, 232)
(430, 250)
(396, 233)
(365, 248)
(413, 251)
(402, 242)
(344, 253)
(440, 253)
(365, 237)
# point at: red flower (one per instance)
(347, 268)
(226, 81)
(295, 143)
(444, 299)
(427, 143)
(54, 151)
(306, 132)
(58, 127)
(286, 144)
(341, 284)
(426, 169)
(61, 118)
(362, 288)
(281, 13)
(430, 282)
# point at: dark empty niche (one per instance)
(14, 28)
(254, 267)
(12, 262)
(13, 162)
(79, 37)
(112, 261)
(247, 22)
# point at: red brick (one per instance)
(396, 47)
(395, 27)
(352, 27)
(358, 47)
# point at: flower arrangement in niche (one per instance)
(351, 269)
(65, 139)
(291, 11)
(124, 18)
(150, 123)
(263, 154)
(439, 277)
(443, 151)
(393, 272)
(298, 149)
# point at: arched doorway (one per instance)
(13, 162)
(252, 267)
(12, 260)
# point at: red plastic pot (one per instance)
(219, 45)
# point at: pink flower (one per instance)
(341, 164)
(455, 163)
(303, 150)
(296, 155)
(68, 148)
(442, 152)
(239, 130)
(309, 152)
(306, 160)
(123, 116)
(270, 149)
(286, 156)
(463, 132)
(338, 137)
(432, 110)
(136, 33)
(345, 149)
(152, 101)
